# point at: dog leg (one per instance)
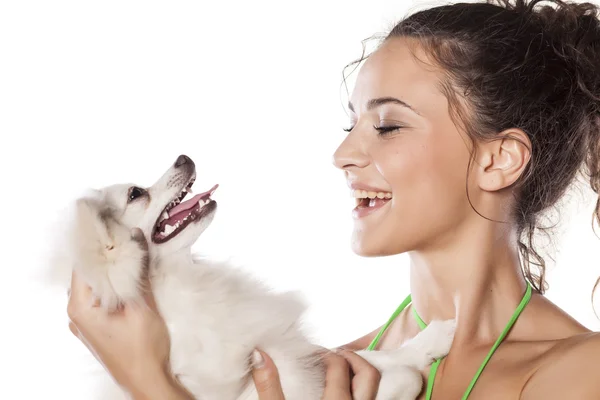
(400, 369)
(431, 344)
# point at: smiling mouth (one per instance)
(365, 199)
(177, 215)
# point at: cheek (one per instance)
(139, 217)
(405, 166)
(428, 183)
(426, 169)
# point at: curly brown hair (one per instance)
(520, 64)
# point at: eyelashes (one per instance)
(382, 130)
(386, 130)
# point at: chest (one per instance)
(504, 377)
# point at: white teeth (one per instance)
(363, 194)
(202, 203)
(168, 229)
(165, 215)
(189, 190)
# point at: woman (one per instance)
(467, 122)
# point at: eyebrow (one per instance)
(384, 100)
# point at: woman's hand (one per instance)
(132, 343)
(348, 377)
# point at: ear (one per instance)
(110, 257)
(91, 229)
(504, 160)
(81, 237)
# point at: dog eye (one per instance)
(134, 193)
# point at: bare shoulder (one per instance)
(568, 371)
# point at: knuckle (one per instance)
(373, 374)
(333, 359)
(72, 311)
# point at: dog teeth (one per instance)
(168, 229)
(165, 215)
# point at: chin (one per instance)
(376, 243)
(368, 246)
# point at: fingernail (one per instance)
(257, 359)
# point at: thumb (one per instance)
(266, 377)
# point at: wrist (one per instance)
(159, 386)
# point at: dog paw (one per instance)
(402, 383)
(440, 335)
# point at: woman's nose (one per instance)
(350, 154)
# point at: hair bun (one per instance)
(574, 31)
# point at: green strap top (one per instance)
(435, 365)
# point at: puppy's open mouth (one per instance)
(177, 215)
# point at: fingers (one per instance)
(79, 294)
(366, 377)
(79, 289)
(337, 378)
(266, 377)
(73, 329)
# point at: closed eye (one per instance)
(383, 130)
(386, 130)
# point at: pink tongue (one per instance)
(186, 205)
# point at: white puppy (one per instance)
(216, 315)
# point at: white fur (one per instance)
(216, 315)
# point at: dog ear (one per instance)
(91, 228)
(82, 237)
(110, 257)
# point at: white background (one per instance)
(94, 93)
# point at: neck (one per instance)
(480, 285)
(179, 257)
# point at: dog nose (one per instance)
(182, 159)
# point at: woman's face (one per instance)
(405, 146)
